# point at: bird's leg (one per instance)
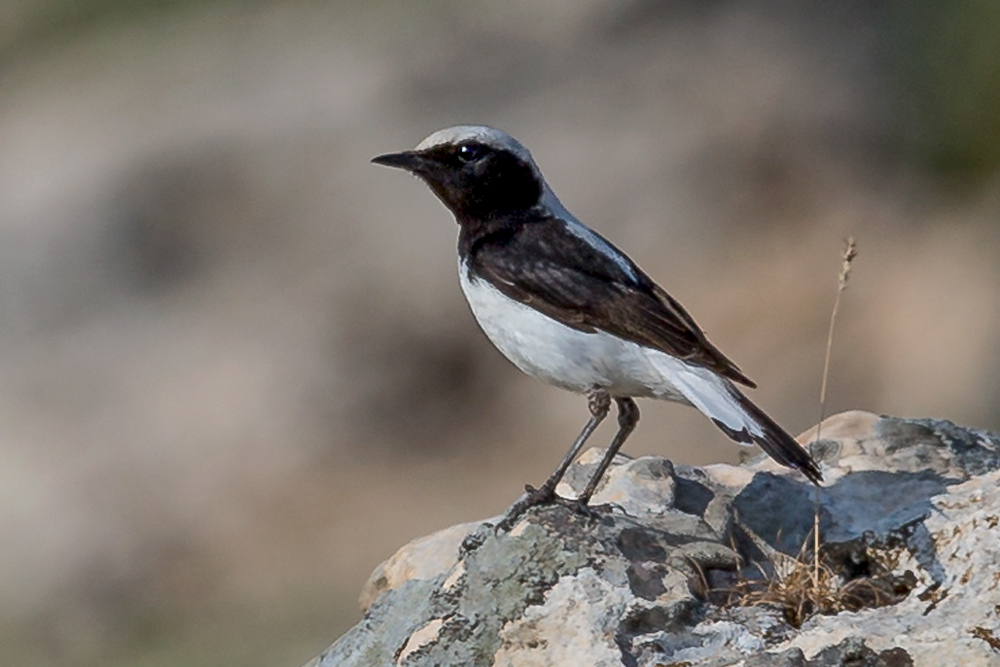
(599, 402)
(628, 417)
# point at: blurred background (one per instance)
(236, 369)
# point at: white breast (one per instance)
(546, 349)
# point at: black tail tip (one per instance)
(779, 446)
(811, 470)
(793, 455)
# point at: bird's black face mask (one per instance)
(472, 179)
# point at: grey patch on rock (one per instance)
(640, 544)
(877, 501)
(977, 450)
(777, 509)
(904, 434)
(642, 619)
(691, 496)
(645, 581)
(924, 550)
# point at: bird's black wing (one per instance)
(579, 279)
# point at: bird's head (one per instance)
(478, 172)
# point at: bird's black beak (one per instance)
(408, 160)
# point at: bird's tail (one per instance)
(743, 421)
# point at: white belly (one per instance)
(565, 357)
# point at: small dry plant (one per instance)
(802, 587)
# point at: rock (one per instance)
(909, 518)
(423, 558)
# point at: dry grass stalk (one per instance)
(848, 255)
(850, 252)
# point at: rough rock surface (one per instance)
(911, 505)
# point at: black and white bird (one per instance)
(566, 306)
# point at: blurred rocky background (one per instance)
(236, 369)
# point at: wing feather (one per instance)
(588, 289)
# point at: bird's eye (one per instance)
(470, 152)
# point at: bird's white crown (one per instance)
(485, 135)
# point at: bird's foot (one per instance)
(543, 496)
(584, 508)
(532, 498)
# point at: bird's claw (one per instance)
(532, 498)
(580, 507)
(544, 496)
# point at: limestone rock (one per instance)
(910, 508)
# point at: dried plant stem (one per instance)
(816, 536)
(850, 252)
